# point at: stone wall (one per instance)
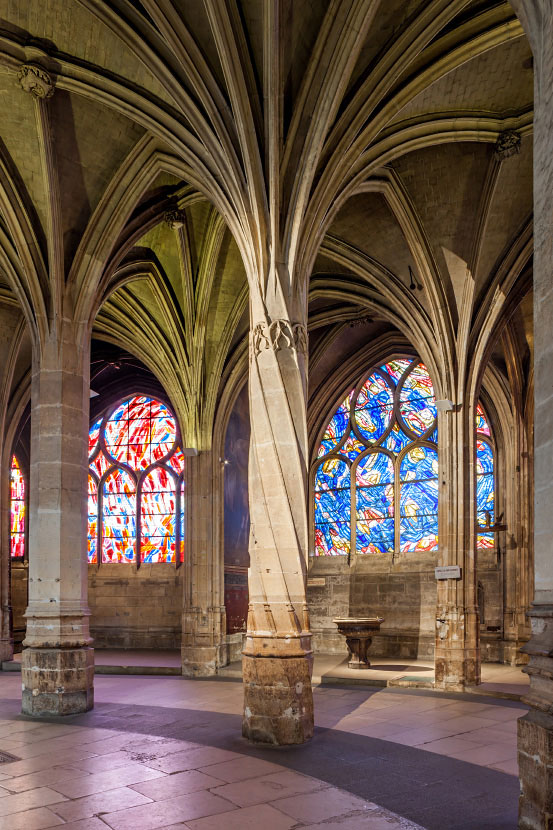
(136, 608)
(403, 591)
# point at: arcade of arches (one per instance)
(277, 278)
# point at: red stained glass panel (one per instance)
(17, 510)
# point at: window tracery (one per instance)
(136, 485)
(17, 510)
(376, 475)
(485, 482)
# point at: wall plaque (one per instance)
(448, 572)
(316, 582)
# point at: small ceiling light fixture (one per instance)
(412, 284)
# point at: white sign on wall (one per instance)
(448, 572)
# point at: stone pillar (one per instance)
(535, 730)
(203, 621)
(517, 566)
(58, 665)
(6, 639)
(457, 655)
(277, 656)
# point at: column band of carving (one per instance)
(276, 335)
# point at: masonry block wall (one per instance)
(403, 591)
(133, 608)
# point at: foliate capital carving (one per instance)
(175, 219)
(507, 144)
(34, 79)
(277, 335)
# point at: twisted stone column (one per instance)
(58, 665)
(277, 657)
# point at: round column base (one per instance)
(278, 700)
(57, 681)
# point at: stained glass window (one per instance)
(376, 474)
(485, 482)
(17, 510)
(136, 485)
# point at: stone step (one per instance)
(174, 671)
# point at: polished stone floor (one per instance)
(160, 752)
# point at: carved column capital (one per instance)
(507, 144)
(175, 219)
(35, 80)
(277, 335)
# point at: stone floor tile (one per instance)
(40, 762)
(368, 821)
(178, 784)
(320, 805)
(447, 746)
(38, 819)
(100, 763)
(250, 818)
(417, 737)
(164, 813)
(42, 778)
(239, 770)
(86, 824)
(98, 782)
(192, 759)
(260, 790)
(510, 767)
(41, 797)
(484, 755)
(465, 723)
(106, 802)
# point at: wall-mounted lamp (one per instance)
(189, 451)
(445, 406)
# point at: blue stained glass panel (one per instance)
(396, 439)
(352, 447)
(373, 423)
(418, 405)
(332, 505)
(337, 427)
(418, 464)
(332, 539)
(419, 497)
(375, 502)
(374, 393)
(375, 468)
(395, 368)
(481, 421)
(485, 497)
(332, 474)
(485, 540)
(419, 415)
(484, 458)
(376, 536)
(418, 533)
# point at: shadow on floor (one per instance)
(437, 792)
